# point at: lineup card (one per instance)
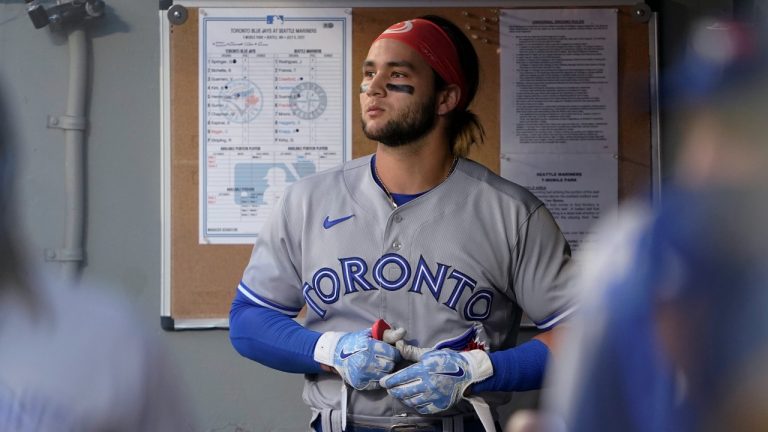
(274, 108)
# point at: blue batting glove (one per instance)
(438, 381)
(357, 357)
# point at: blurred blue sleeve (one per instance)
(271, 338)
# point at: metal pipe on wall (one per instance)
(74, 156)
(71, 16)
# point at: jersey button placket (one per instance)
(396, 244)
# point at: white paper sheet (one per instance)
(559, 81)
(559, 111)
(274, 107)
(571, 186)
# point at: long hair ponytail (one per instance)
(465, 129)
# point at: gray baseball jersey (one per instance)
(455, 267)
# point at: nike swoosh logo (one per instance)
(328, 223)
(344, 355)
(457, 373)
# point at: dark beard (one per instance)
(407, 128)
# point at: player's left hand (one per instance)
(439, 380)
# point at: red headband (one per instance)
(434, 45)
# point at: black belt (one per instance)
(471, 424)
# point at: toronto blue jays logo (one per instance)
(354, 278)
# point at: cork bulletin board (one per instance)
(199, 280)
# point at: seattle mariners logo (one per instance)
(308, 101)
(402, 27)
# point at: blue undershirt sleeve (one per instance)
(516, 369)
(271, 338)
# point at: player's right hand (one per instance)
(357, 357)
(438, 381)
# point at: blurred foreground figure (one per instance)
(72, 359)
(673, 334)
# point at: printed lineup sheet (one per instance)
(274, 108)
(559, 111)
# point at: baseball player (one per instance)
(443, 250)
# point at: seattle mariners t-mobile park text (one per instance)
(326, 284)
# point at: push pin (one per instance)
(177, 14)
(641, 13)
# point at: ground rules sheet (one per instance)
(559, 112)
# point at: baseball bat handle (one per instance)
(381, 330)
